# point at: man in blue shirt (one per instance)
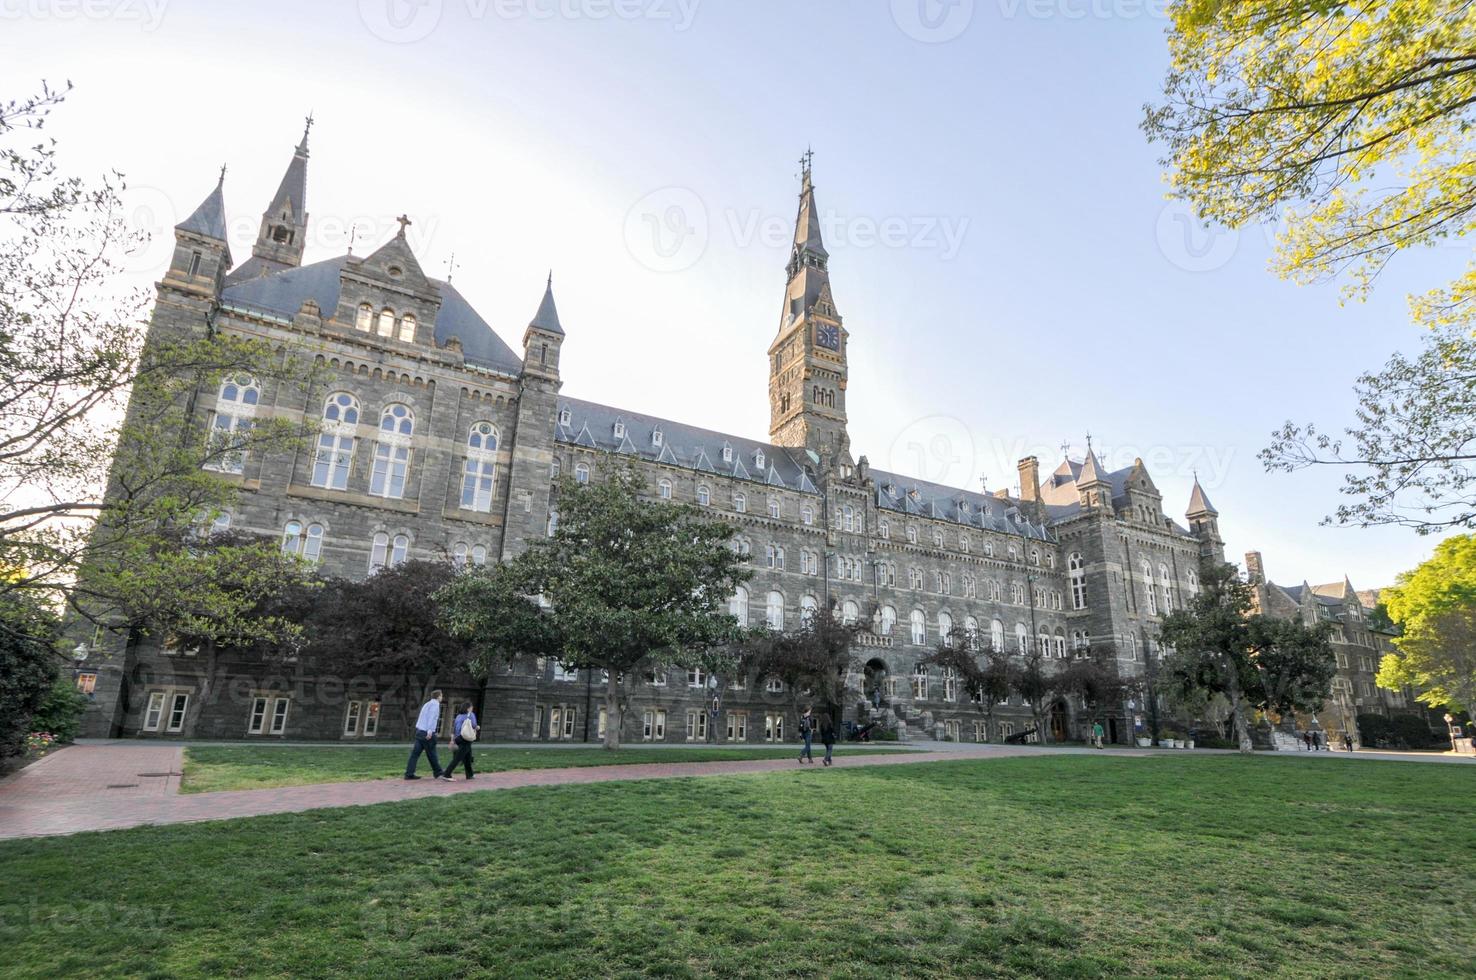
(459, 731)
(425, 738)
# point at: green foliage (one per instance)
(812, 661)
(1435, 607)
(1410, 731)
(627, 583)
(28, 666)
(60, 711)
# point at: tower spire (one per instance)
(280, 241)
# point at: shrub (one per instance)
(1412, 731)
(60, 712)
(27, 669)
(1376, 730)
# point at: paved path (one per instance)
(118, 784)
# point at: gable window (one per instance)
(407, 328)
(365, 319)
(336, 442)
(479, 474)
(386, 322)
(392, 452)
(235, 414)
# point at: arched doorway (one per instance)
(1058, 721)
(874, 683)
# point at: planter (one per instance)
(1175, 743)
(1189, 743)
(1145, 743)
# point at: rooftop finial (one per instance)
(451, 267)
(307, 128)
(807, 165)
(221, 182)
(405, 222)
(353, 235)
(550, 279)
(1089, 442)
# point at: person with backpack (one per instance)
(467, 729)
(807, 732)
(827, 736)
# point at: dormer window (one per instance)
(619, 430)
(565, 417)
(727, 454)
(758, 459)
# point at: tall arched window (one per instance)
(1166, 585)
(388, 552)
(850, 612)
(663, 489)
(1077, 569)
(581, 473)
(1193, 582)
(809, 607)
(365, 319)
(996, 636)
(407, 328)
(738, 606)
(392, 452)
(888, 620)
(479, 475)
(774, 611)
(945, 628)
(1022, 639)
(336, 441)
(1148, 592)
(235, 414)
(459, 554)
(919, 628)
(386, 322)
(971, 629)
(1060, 643)
(740, 502)
(704, 496)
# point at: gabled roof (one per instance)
(547, 317)
(209, 219)
(283, 293)
(1199, 502)
(972, 509)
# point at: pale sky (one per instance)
(1009, 269)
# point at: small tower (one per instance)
(807, 360)
(544, 338)
(1092, 483)
(201, 254)
(283, 232)
(1204, 523)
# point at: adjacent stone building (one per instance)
(439, 439)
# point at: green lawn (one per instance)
(1059, 866)
(212, 768)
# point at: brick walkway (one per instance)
(113, 785)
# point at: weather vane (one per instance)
(451, 267)
(353, 234)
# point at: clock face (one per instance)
(828, 336)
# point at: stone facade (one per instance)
(441, 441)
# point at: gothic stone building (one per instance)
(441, 440)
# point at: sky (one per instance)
(1009, 267)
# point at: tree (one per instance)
(1035, 685)
(389, 625)
(1353, 122)
(625, 583)
(985, 675)
(812, 661)
(1092, 678)
(28, 667)
(1435, 608)
(1218, 647)
(93, 497)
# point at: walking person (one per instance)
(1097, 733)
(827, 736)
(425, 737)
(1307, 740)
(807, 732)
(466, 728)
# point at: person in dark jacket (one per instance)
(827, 736)
(463, 754)
(807, 732)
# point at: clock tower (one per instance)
(807, 360)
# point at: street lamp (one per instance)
(1450, 729)
(79, 654)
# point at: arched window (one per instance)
(884, 528)
(407, 328)
(292, 538)
(1166, 586)
(386, 322)
(807, 515)
(740, 503)
(663, 489)
(553, 523)
(950, 684)
(920, 683)
(459, 554)
(988, 549)
(1077, 571)
(1148, 592)
(1022, 639)
(996, 636)
(911, 534)
(1043, 641)
(809, 607)
(971, 630)
(850, 612)
(1193, 582)
(335, 452)
(888, 620)
(738, 606)
(919, 628)
(581, 473)
(774, 611)
(1035, 556)
(945, 628)
(365, 319)
(774, 557)
(392, 452)
(774, 510)
(235, 414)
(479, 555)
(704, 496)
(479, 474)
(1060, 643)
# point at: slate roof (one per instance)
(292, 191)
(907, 495)
(1199, 502)
(547, 317)
(209, 219)
(283, 293)
(592, 426)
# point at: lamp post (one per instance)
(1450, 729)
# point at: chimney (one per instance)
(1255, 568)
(1029, 479)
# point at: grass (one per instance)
(1046, 866)
(211, 768)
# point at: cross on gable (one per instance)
(405, 222)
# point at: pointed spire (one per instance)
(807, 235)
(1199, 502)
(1091, 468)
(208, 220)
(291, 196)
(302, 147)
(547, 317)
